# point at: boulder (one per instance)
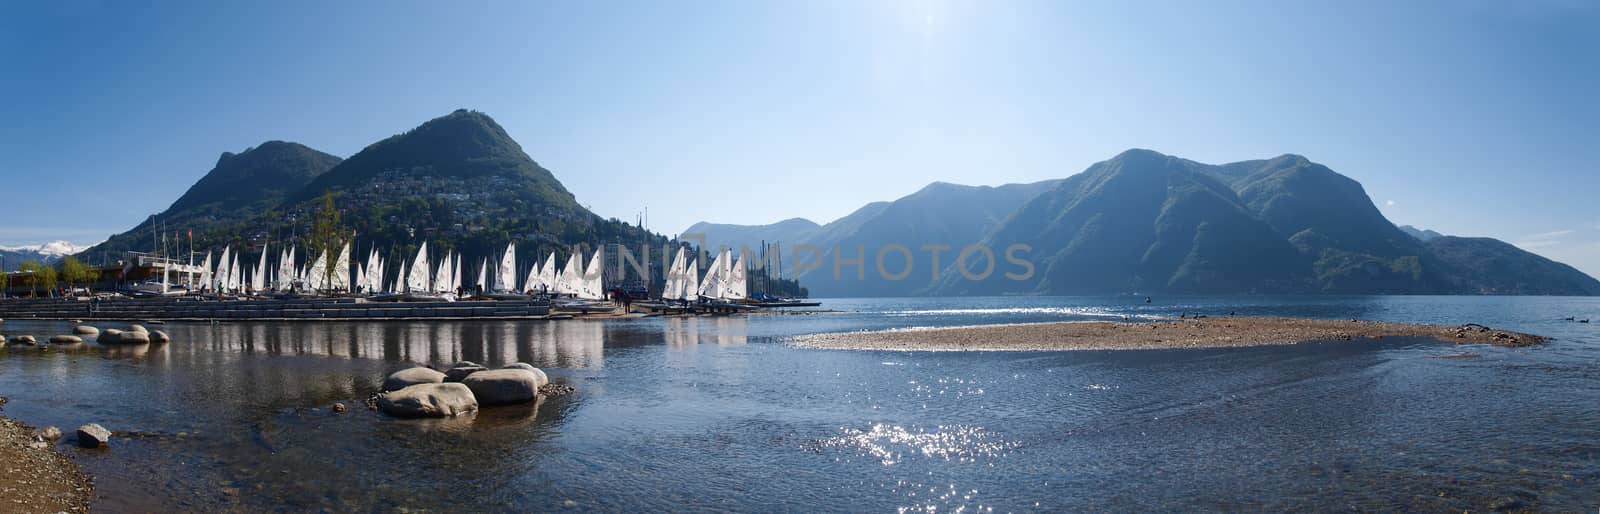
(455, 374)
(503, 386)
(543, 379)
(23, 340)
(65, 339)
(47, 434)
(464, 364)
(137, 328)
(85, 330)
(134, 338)
(93, 436)
(428, 401)
(157, 336)
(110, 336)
(410, 377)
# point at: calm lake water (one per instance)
(719, 414)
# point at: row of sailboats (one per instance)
(419, 279)
(725, 280)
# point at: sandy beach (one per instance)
(1211, 332)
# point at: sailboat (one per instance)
(505, 280)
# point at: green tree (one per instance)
(75, 272)
(327, 234)
(38, 275)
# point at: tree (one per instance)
(327, 235)
(38, 275)
(75, 272)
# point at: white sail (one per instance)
(591, 287)
(687, 285)
(677, 281)
(507, 280)
(547, 273)
(259, 281)
(233, 273)
(339, 280)
(441, 279)
(222, 269)
(735, 287)
(711, 286)
(417, 277)
(205, 271)
(317, 273)
(483, 275)
(455, 276)
(565, 282)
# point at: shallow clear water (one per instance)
(718, 414)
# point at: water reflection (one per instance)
(685, 332)
(568, 344)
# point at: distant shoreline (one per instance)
(1210, 332)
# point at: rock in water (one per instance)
(543, 379)
(23, 340)
(428, 401)
(134, 338)
(93, 436)
(110, 336)
(137, 328)
(85, 330)
(410, 377)
(65, 339)
(503, 386)
(158, 336)
(455, 374)
(47, 433)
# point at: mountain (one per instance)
(1489, 266)
(789, 231)
(1141, 221)
(1147, 222)
(13, 256)
(240, 187)
(939, 214)
(458, 181)
(1420, 234)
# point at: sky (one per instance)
(1468, 117)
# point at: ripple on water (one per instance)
(891, 444)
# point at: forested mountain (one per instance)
(238, 189)
(458, 181)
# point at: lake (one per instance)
(717, 413)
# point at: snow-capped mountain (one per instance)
(13, 256)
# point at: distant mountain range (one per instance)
(13, 256)
(458, 181)
(1144, 222)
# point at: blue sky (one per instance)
(1467, 117)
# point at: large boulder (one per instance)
(85, 330)
(428, 401)
(134, 338)
(137, 328)
(110, 336)
(65, 339)
(456, 373)
(410, 377)
(543, 378)
(503, 386)
(23, 340)
(157, 336)
(93, 436)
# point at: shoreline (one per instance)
(36, 476)
(1218, 332)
